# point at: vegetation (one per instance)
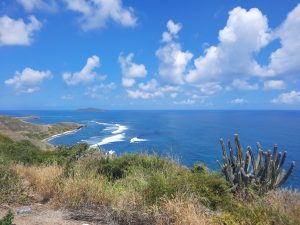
(7, 219)
(132, 188)
(18, 130)
(262, 174)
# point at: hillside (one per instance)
(77, 185)
(18, 129)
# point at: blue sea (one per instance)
(189, 136)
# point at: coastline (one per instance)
(17, 128)
(62, 134)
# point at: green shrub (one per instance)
(27, 153)
(7, 219)
(119, 167)
(209, 188)
(253, 214)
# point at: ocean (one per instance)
(187, 136)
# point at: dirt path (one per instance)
(40, 214)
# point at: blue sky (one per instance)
(125, 54)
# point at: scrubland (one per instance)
(132, 188)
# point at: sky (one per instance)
(134, 54)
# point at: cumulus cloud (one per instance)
(238, 101)
(274, 85)
(86, 75)
(100, 90)
(210, 88)
(173, 61)
(135, 94)
(245, 33)
(244, 85)
(18, 32)
(151, 89)
(285, 60)
(185, 102)
(131, 70)
(28, 80)
(149, 86)
(30, 5)
(96, 13)
(292, 97)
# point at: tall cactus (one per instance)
(265, 172)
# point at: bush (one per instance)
(7, 219)
(119, 167)
(44, 179)
(210, 189)
(27, 153)
(11, 189)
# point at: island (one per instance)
(90, 109)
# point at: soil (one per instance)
(40, 214)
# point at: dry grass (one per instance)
(184, 211)
(83, 191)
(284, 201)
(44, 179)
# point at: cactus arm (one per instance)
(277, 160)
(274, 152)
(232, 157)
(226, 161)
(218, 162)
(285, 177)
(259, 156)
(268, 175)
(282, 159)
(252, 159)
(239, 148)
(247, 163)
(245, 177)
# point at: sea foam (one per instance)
(120, 129)
(136, 139)
(111, 139)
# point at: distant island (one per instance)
(90, 110)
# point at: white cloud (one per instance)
(292, 97)
(28, 80)
(131, 70)
(245, 33)
(150, 86)
(96, 13)
(173, 61)
(244, 85)
(144, 95)
(274, 85)
(18, 32)
(100, 90)
(86, 75)
(173, 28)
(151, 89)
(127, 82)
(238, 101)
(185, 102)
(285, 60)
(210, 88)
(30, 5)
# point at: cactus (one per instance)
(263, 173)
